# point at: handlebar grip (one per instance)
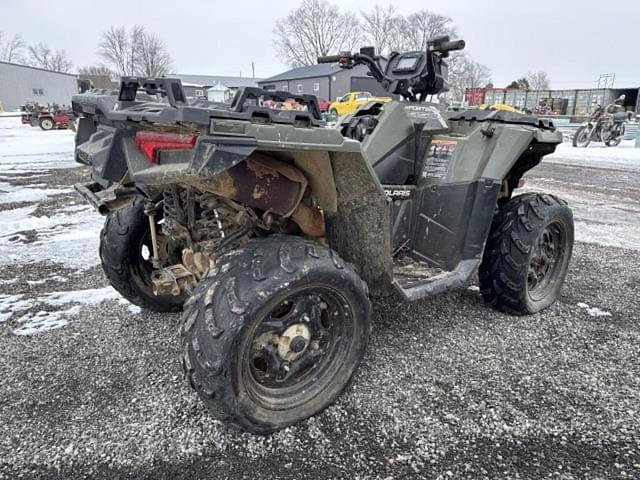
(452, 45)
(329, 59)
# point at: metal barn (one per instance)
(20, 84)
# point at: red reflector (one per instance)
(151, 143)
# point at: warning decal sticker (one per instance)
(438, 158)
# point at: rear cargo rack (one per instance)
(171, 88)
(244, 95)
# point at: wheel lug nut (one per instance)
(298, 344)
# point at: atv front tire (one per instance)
(274, 333)
(125, 253)
(527, 254)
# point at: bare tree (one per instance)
(465, 73)
(413, 32)
(100, 76)
(379, 25)
(315, 28)
(152, 55)
(42, 56)
(136, 38)
(520, 84)
(135, 52)
(114, 50)
(96, 70)
(538, 80)
(12, 49)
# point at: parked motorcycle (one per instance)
(606, 125)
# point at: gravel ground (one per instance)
(448, 389)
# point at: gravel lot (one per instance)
(449, 388)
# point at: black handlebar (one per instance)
(329, 59)
(427, 79)
(451, 46)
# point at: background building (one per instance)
(20, 84)
(573, 103)
(327, 81)
(100, 81)
(216, 88)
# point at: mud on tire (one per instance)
(527, 254)
(270, 286)
(122, 239)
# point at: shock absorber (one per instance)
(150, 211)
(208, 222)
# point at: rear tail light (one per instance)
(151, 143)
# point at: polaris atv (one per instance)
(272, 231)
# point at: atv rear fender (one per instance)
(342, 183)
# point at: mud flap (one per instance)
(360, 230)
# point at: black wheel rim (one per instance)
(296, 348)
(546, 261)
(143, 261)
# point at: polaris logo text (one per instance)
(397, 194)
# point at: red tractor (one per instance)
(57, 118)
(30, 112)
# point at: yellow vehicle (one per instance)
(499, 106)
(352, 100)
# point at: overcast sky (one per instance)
(573, 40)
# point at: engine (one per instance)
(204, 221)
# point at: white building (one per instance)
(20, 84)
(218, 93)
(198, 86)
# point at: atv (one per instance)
(272, 232)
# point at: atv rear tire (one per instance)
(527, 254)
(125, 252)
(274, 333)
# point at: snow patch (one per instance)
(70, 237)
(60, 308)
(91, 296)
(625, 156)
(26, 146)
(43, 321)
(594, 311)
(15, 194)
(134, 309)
(10, 304)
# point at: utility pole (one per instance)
(606, 80)
(253, 70)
